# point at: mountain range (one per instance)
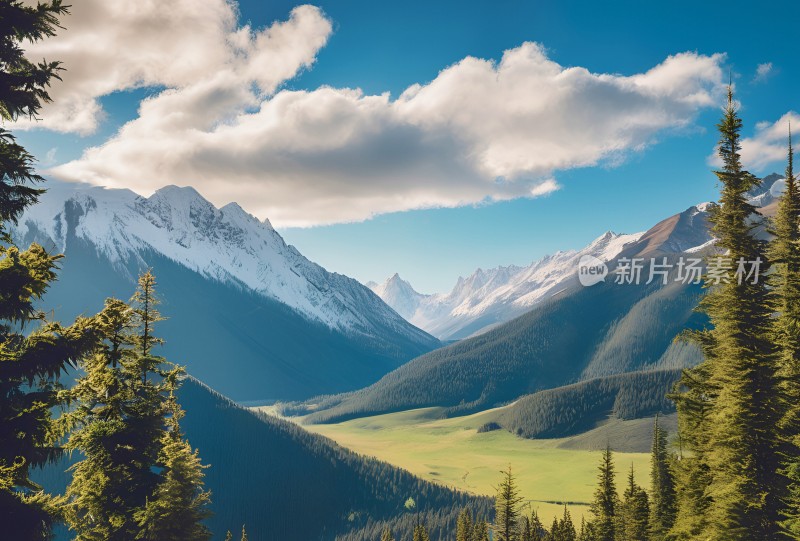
(246, 313)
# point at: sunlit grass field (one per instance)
(452, 452)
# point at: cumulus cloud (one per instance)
(114, 46)
(480, 131)
(769, 146)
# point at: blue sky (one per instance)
(383, 47)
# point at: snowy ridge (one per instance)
(226, 244)
(488, 297)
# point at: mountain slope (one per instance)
(285, 483)
(247, 313)
(578, 333)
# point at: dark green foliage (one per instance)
(662, 486)
(634, 511)
(23, 90)
(784, 251)
(465, 526)
(606, 500)
(30, 363)
(729, 409)
(507, 509)
(562, 530)
(528, 354)
(421, 533)
(179, 504)
(572, 409)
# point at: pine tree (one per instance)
(526, 531)
(387, 534)
(784, 252)
(464, 527)
(662, 508)
(507, 508)
(244, 534)
(606, 501)
(538, 531)
(229, 536)
(728, 413)
(586, 533)
(176, 510)
(421, 533)
(30, 362)
(566, 528)
(125, 425)
(481, 530)
(633, 524)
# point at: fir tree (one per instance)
(481, 530)
(525, 530)
(229, 536)
(421, 533)
(606, 500)
(662, 508)
(785, 282)
(633, 524)
(507, 509)
(179, 505)
(125, 426)
(566, 528)
(30, 363)
(244, 534)
(728, 413)
(538, 531)
(464, 527)
(387, 534)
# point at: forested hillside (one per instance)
(579, 407)
(284, 483)
(622, 328)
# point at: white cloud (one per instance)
(769, 146)
(113, 46)
(480, 131)
(763, 72)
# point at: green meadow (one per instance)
(453, 453)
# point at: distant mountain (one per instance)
(490, 297)
(247, 313)
(572, 334)
(399, 294)
(285, 483)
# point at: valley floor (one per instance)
(453, 453)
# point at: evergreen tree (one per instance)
(30, 363)
(729, 410)
(538, 531)
(566, 528)
(244, 533)
(785, 282)
(138, 478)
(555, 531)
(526, 531)
(606, 500)
(662, 509)
(507, 509)
(179, 505)
(421, 533)
(387, 534)
(464, 527)
(634, 513)
(481, 530)
(229, 536)
(586, 533)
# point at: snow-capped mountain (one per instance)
(489, 297)
(120, 232)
